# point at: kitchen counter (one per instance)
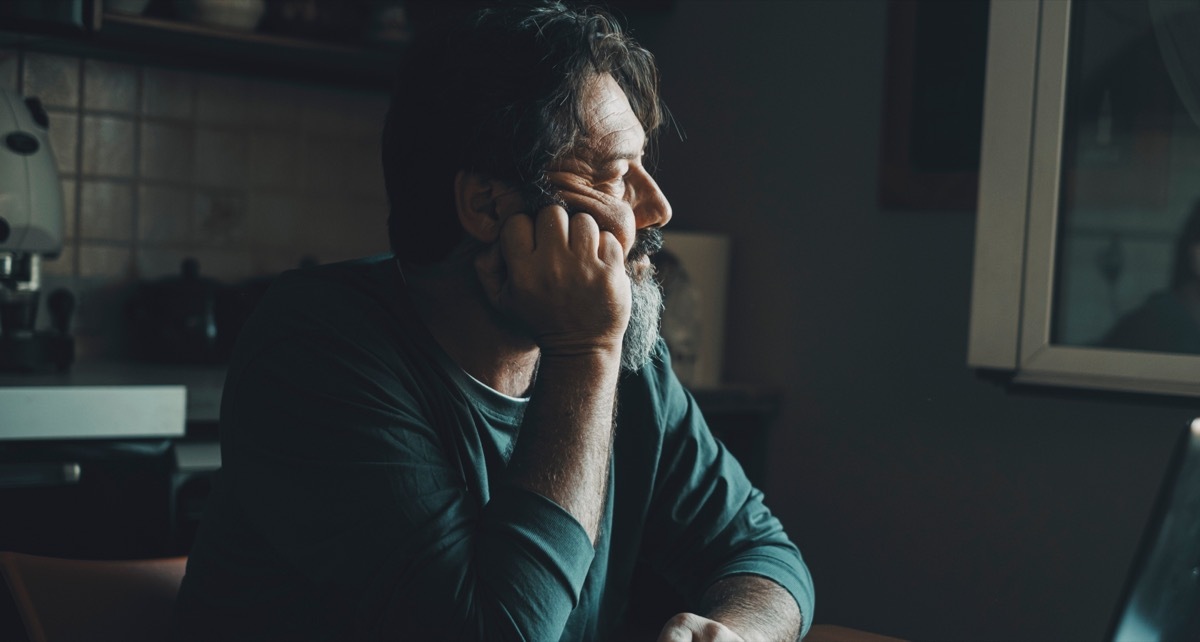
(740, 415)
(203, 384)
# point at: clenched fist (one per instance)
(561, 277)
(688, 627)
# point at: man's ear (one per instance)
(475, 197)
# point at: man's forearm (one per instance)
(756, 608)
(564, 447)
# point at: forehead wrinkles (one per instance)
(612, 127)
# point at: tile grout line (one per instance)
(136, 214)
(77, 224)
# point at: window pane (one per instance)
(1129, 225)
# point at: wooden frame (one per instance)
(933, 104)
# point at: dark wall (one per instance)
(929, 504)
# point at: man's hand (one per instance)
(689, 627)
(562, 278)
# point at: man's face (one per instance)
(608, 168)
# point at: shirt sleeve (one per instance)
(706, 521)
(351, 478)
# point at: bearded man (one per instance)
(479, 437)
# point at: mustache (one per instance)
(648, 242)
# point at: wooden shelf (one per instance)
(194, 45)
(174, 43)
(82, 28)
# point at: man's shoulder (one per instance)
(371, 274)
(359, 301)
(335, 291)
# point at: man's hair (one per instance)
(500, 94)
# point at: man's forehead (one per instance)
(614, 131)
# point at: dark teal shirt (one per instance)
(362, 492)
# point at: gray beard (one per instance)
(641, 335)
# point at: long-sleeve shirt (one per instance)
(362, 493)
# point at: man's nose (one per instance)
(651, 207)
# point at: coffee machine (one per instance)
(31, 229)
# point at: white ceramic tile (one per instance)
(276, 106)
(69, 186)
(64, 139)
(103, 261)
(54, 79)
(156, 263)
(221, 100)
(274, 159)
(363, 168)
(167, 152)
(369, 110)
(323, 165)
(110, 86)
(168, 93)
(312, 226)
(220, 159)
(365, 227)
(272, 220)
(108, 146)
(164, 214)
(273, 262)
(219, 218)
(105, 211)
(63, 266)
(226, 265)
(9, 64)
(336, 227)
(344, 112)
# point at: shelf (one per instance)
(80, 28)
(174, 43)
(195, 44)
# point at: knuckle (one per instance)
(683, 620)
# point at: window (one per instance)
(1087, 253)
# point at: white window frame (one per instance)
(1017, 219)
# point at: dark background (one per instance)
(929, 503)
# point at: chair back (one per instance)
(61, 600)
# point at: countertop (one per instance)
(203, 383)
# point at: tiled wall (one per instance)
(244, 174)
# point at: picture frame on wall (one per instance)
(933, 104)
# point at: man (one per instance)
(480, 438)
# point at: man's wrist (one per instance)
(594, 363)
(754, 607)
(579, 349)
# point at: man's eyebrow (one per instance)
(629, 153)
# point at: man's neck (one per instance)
(454, 308)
